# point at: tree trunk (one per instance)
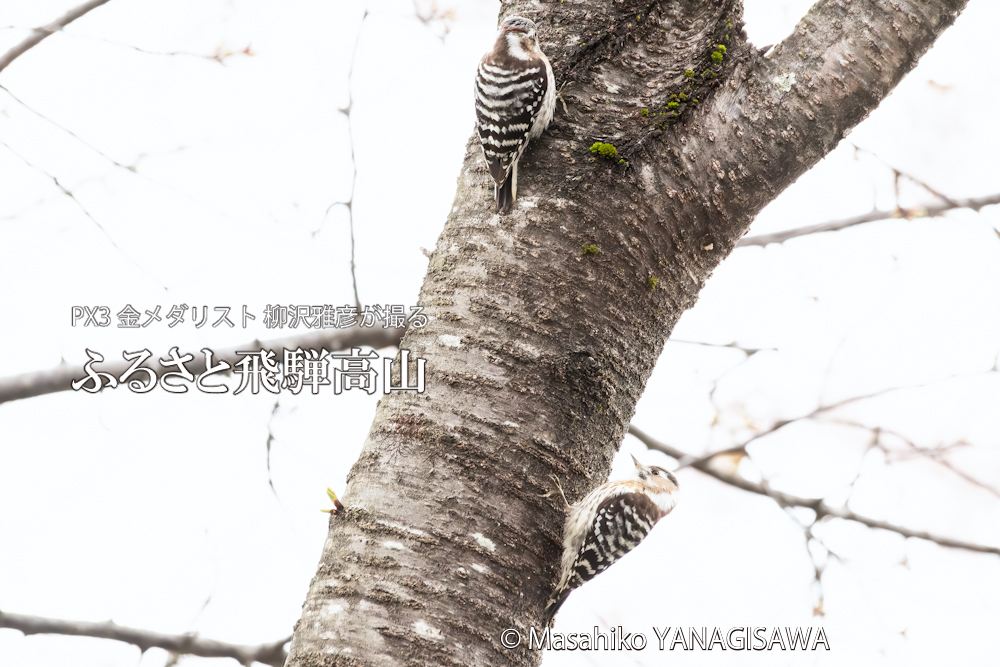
(539, 350)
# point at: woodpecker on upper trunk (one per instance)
(515, 100)
(608, 523)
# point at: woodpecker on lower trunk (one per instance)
(515, 100)
(608, 523)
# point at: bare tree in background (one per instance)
(547, 322)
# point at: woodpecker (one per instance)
(608, 523)
(515, 100)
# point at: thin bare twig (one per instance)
(749, 351)
(815, 504)
(928, 210)
(349, 203)
(898, 174)
(433, 14)
(68, 131)
(742, 447)
(221, 54)
(874, 443)
(40, 33)
(818, 568)
(59, 378)
(272, 653)
(131, 168)
(270, 441)
(935, 454)
(69, 193)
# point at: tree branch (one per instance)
(815, 504)
(927, 210)
(38, 34)
(272, 653)
(39, 383)
(59, 378)
(741, 448)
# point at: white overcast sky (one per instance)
(155, 510)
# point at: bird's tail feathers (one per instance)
(505, 195)
(558, 597)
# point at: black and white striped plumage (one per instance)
(608, 523)
(515, 100)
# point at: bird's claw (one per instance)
(557, 488)
(561, 98)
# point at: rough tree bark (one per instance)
(538, 352)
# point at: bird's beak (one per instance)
(637, 464)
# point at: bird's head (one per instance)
(660, 478)
(518, 35)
